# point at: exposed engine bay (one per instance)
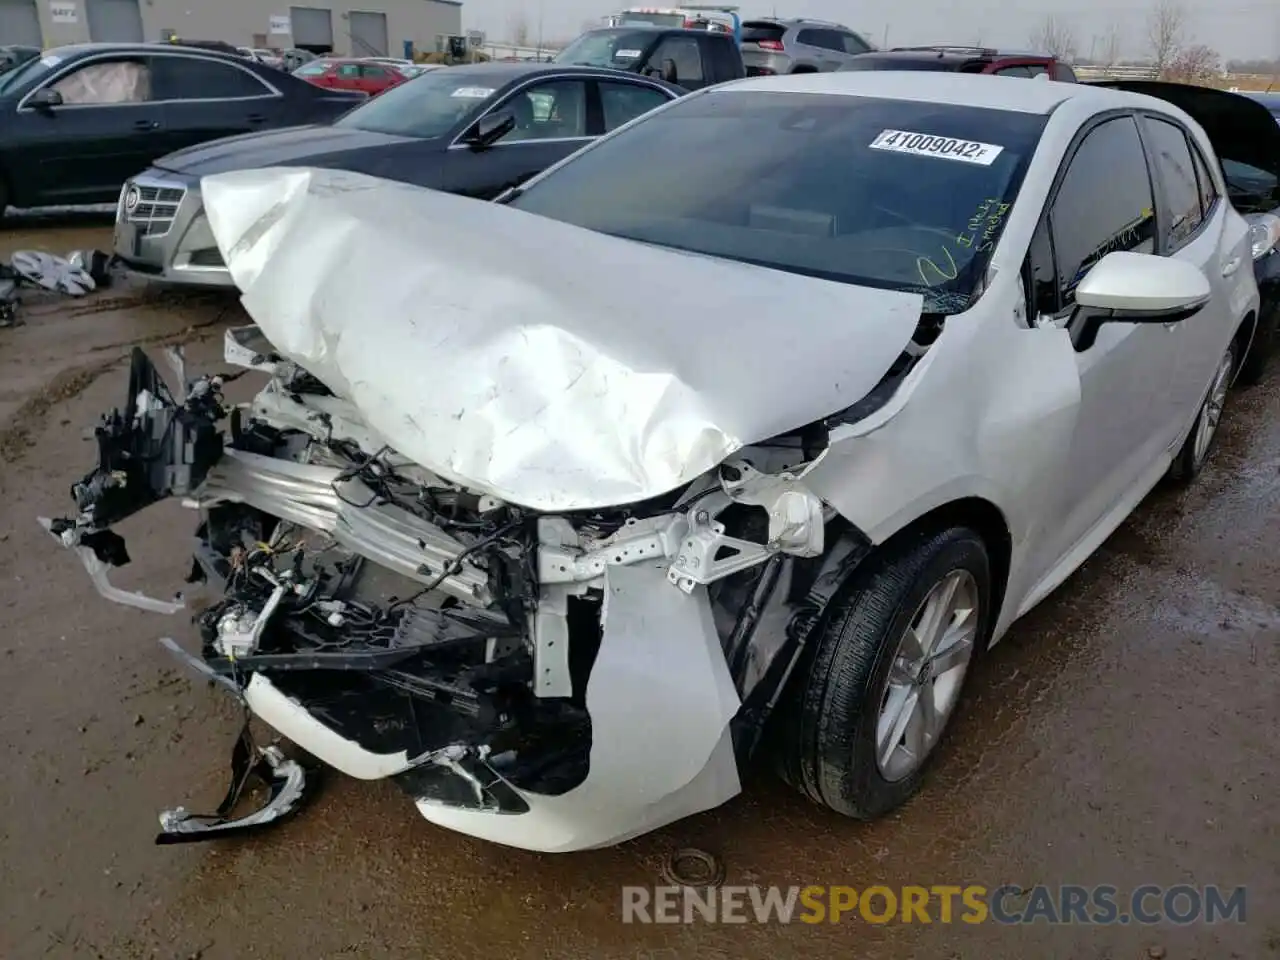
(488, 657)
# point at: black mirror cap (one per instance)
(491, 128)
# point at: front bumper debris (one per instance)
(494, 661)
(284, 778)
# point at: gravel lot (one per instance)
(1124, 733)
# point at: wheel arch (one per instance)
(985, 519)
(804, 68)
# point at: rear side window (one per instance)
(1104, 203)
(852, 43)
(1179, 187)
(197, 78)
(623, 102)
(1208, 189)
(313, 69)
(1016, 71)
(1063, 72)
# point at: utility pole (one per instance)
(884, 40)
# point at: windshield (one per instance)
(619, 48)
(428, 107)
(885, 193)
(31, 70)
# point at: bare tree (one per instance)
(519, 30)
(1055, 37)
(1194, 64)
(1165, 27)
(1112, 47)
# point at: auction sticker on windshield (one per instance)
(472, 93)
(928, 145)
(627, 54)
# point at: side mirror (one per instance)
(491, 128)
(1127, 287)
(45, 99)
(669, 72)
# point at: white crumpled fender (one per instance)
(548, 365)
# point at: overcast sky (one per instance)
(1238, 29)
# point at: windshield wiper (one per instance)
(508, 195)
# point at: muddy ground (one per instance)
(1125, 733)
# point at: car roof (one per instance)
(953, 89)
(82, 49)
(499, 72)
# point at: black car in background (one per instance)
(471, 130)
(15, 55)
(78, 121)
(692, 59)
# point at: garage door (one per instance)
(114, 21)
(20, 23)
(368, 34)
(311, 27)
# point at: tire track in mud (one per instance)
(18, 435)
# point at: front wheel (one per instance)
(1255, 362)
(882, 679)
(1196, 448)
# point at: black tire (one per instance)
(826, 732)
(1255, 362)
(1189, 462)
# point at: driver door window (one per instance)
(549, 111)
(106, 82)
(686, 53)
(1104, 203)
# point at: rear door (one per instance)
(554, 117)
(1196, 226)
(205, 99)
(108, 128)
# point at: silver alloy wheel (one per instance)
(1211, 413)
(928, 669)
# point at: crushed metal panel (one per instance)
(551, 387)
(660, 699)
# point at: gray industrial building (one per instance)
(359, 28)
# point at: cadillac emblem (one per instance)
(131, 198)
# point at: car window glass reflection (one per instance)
(117, 81)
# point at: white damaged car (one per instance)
(777, 406)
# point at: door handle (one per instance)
(1231, 266)
(256, 118)
(146, 125)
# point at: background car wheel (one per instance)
(1264, 344)
(1199, 443)
(880, 681)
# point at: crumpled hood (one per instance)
(545, 364)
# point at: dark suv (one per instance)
(964, 60)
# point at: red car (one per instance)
(335, 74)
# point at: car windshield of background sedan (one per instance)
(884, 193)
(607, 48)
(428, 107)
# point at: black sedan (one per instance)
(78, 121)
(473, 130)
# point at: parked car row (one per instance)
(498, 527)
